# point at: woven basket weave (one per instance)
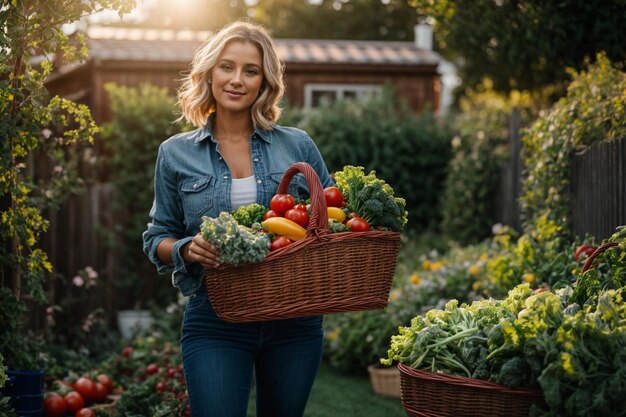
(385, 381)
(429, 394)
(319, 274)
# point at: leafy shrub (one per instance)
(409, 152)
(142, 119)
(593, 110)
(480, 150)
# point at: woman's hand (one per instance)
(201, 251)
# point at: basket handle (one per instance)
(318, 222)
(589, 263)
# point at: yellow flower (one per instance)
(436, 266)
(426, 265)
(333, 335)
(529, 277)
(10, 97)
(483, 257)
(394, 295)
(474, 269)
(477, 285)
(566, 359)
(415, 278)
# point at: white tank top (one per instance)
(243, 192)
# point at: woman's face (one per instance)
(237, 77)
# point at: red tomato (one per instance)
(280, 242)
(357, 224)
(152, 369)
(86, 388)
(280, 203)
(270, 213)
(298, 216)
(106, 380)
(85, 412)
(160, 387)
(301, 206)
(127, 351)
(101, 393)
(74, 402)
(333, 197)
(54, 405)
(584, 249)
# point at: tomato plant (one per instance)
(333, 197)
(357, 224)
(152, 369)
(74, 402)
(54, 405)
(298, 216)
(280, 203)
(86, 388)
(280, 242)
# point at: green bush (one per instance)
(142, 119)
(480, 150)
(409, 152)
(593, 110)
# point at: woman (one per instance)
(237, 156)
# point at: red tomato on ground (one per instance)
(54, 405)
(298, 216)
(280, 242)
(270, 213)
(333, 197)
(280, 203)
(106, 380)
(74, 402)
(85, 412)
(86, 388)
(357, 224)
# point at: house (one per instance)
(314, 69)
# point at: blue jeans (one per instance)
(219, 359)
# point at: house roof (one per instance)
(133, 44)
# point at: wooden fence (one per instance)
(599, 189)
(598, 186)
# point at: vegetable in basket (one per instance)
(250, 214)
(372, 198)
(237, 244)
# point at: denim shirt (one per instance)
(192, 180)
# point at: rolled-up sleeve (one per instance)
(166, 217)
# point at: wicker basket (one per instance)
(385, 381)
(319, 274)
(429, 394)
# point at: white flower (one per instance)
(78, 281)
(46, 133)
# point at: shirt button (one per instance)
(259, 181)
(220, 158)
(195, 186)
(256, 159)
(225, 177)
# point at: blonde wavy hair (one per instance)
(194, 96)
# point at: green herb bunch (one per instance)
(250, 214)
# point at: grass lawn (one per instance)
(338, 395)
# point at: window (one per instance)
(316, 94)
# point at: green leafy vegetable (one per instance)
(372, 198)
(237, 244)
(250, 214)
